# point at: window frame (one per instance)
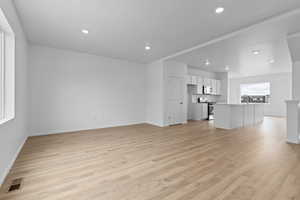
(7, 73)
(2, 74)
(257, 83)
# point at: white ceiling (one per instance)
(121, 28)
(236, 52)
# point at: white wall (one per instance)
(155, 93)
(76, 91)
(281, 90)
(224, 98)
(14, 132)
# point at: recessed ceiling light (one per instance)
(227, 68)
(147, 47)
(271, 61)
(219, 10)
(256, 52)
(84, 31)
(207, 62)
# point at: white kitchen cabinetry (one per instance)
(191, 80)
(199, 111)
(188, 80)
(214, 86)
(200, 85)
(199, 80)
(194, 80)
(207, 82)
(204, 111)
(229, 116)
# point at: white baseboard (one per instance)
(293, 142)
(84, 129)
(3, 176)
(154, 124)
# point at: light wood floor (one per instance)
(143, 162)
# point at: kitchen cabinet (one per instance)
(200, 85)
(230, 116)
(207, 82)
(199, 111)
(216, 87)
(191, 80)
(194, 80)
(200, 80)
(213, 84)
(188, 80)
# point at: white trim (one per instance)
(232, 34)
(294, 35)
(6, 171)
(155, 124)
(292, 142)
(4, 120)
(7, 70)
(53, 132)
(2, 83)
(292, 101)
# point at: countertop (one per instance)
(239, 104)
(205, 102)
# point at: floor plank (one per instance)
(144, 162)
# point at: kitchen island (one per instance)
(230, 116)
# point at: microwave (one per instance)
(207, 90)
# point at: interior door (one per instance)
(175, 97)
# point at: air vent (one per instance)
(15, 185)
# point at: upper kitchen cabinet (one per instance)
(212, 86)
(216, 87)
(207, 82)
(192, 80)
(200, 85)
(200, 81)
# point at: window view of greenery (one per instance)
(255, 93)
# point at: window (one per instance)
(7, 70)
(255, 93)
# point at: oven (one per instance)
(210, 110)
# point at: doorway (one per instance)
(175, 99)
